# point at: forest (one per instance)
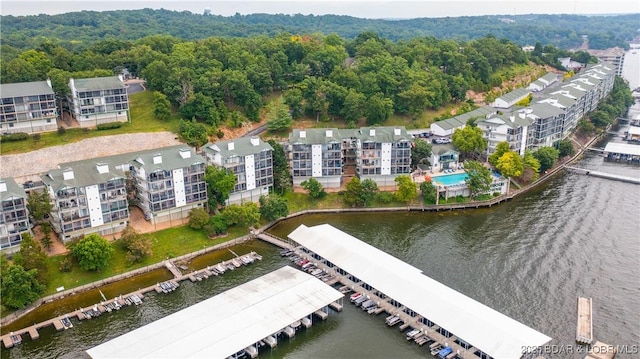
(81, 29)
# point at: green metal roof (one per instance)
(514, 95)
(98, 83)
(549, 77)
(461, 120)
(386, 134)
(22, 89)
(171, 158)
(84, 174)
(441, 149)
(242, 146)
(315, 136)
(13, 190)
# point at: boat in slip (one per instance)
(444, 352)
(413, 333)
(16, 339)
(66, 322)
(355, 296)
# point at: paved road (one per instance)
(134, 87)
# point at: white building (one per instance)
(28, 107)
(14, 216)
(99, 100)
(511, 98)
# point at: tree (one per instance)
(137, 245)
(420, 151)
(510, 164)
(314, 188)
(193, 133)
(217, 225)
(547, 156)
(479, 180)
(565, 148)
(429, 192)
(501, 149)
(469, 139)
(198, 218)
(293, 99)
(368, 191)
(244, 215)
(353, 104)
(45, 227)
(31, 256)
(161, 106)
(19, 287)
(220, 183)
(378, 109)
(273, 207)
(281, 173)
(407, 189)
(92, 252)
(352, 194)
(39, 205)
(281, 121)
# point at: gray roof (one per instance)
(13, 190)
(545, 110)
(440, 149)
(315, 136)
(550, 77)
(514, 95)
(171, 158)
(98, 83)
(85, 173)
(22, 89)
(384, 134)
(512, 119)
(242, 146)
(461, 120)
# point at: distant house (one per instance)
(613, 56)
(99, 100)
(14, 216)
(169, 182)
(28, 107)
(570, 64)
(88, 197)
(543, 82)
(511, 98)
(444, 157)
(250, 159)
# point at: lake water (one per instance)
(529, 258)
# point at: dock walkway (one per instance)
(604, 175)
(584, 328)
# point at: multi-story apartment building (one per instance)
(88, 197)
(383, 153)
(169, 182)
(250, 159)
(613, 56)
(379, 153)
(28, 107)
(316, 153)
(99, 100)
(14, 216)
(513, 128)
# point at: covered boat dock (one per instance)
(229, 324)
(622, 152)
(445, 315)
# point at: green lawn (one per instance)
(142, 120)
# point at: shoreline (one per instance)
(423, 208)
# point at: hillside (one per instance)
(86, 27)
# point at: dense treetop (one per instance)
(84, 28)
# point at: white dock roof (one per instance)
(624, 148)
(227, 323)
(486, 329)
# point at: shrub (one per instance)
(62, 130)
(13, 137)
(109, 126)
(66, 264)
(219, 134)
(385, 197)
(36, 136)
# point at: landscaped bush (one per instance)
(109, 126)
(12, 137)
(385, 197)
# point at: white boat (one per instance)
(306, 322)
(220, 268)
(413, 333)
(355, 296)
(271, 341)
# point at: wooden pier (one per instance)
(134, 298)
(274, 240)
(584, 328)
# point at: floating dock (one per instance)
(604, 175)
(584, 328)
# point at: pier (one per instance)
(604, 175)
(431, 311)
(133, 298)
(584, 328)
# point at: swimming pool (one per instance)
(448, 180)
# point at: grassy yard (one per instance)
(168, 243)
(142, 120)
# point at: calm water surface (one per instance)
(529, 258)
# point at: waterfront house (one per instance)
(444, 157)
(88, 197)
(316, 153)
(28, 107)
(99, 100)
(250, 159)
(168, 182)
(14, 216)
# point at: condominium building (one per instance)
(613, 56)
(250, 159)
(88, 197)
(14, 216)
(169, 182)
(28, 107)
(513, 128)
(316, 153)
(99, 100)
(383, 153)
